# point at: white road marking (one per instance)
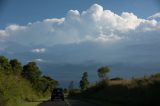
(67, 103)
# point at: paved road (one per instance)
(65, 103)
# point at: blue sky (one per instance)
(68, 38)
(25, 11)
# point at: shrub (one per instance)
(14, 89)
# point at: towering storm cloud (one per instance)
(95, 24)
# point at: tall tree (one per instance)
(84, 83)
(71, 85)
(4, 65)
(71, 88)
(31, 72)
(51, 83)
(102, 72)
(16, 66)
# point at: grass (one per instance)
(33, 103)
(28, 103)
(134, 92)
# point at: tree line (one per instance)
(142, 91)
(17, 79)
(102, 74)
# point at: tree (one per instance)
(71, 88)
(4, 65)
(16, 66)
(31, 72)
(84, 83)
(15, 88)
(65, 90)
(102, 72)
(71, 85)
(51, 83)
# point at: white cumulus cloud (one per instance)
(156, 15)
(37, 60)
(39, 50)
(95, 35)
(94, 24)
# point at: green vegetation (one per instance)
(102, 72)
(28, 103)
(120, 92)
(84, 83)
(32, 103)
(22, 83)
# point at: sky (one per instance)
(25, 11)
(68, 38)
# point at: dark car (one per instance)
(57, 93)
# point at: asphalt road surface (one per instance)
(65, 103)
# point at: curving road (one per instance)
(65, 103)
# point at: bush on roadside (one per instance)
(136, 92)
(14, 89)
(22, 83)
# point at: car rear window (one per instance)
(57, 90)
